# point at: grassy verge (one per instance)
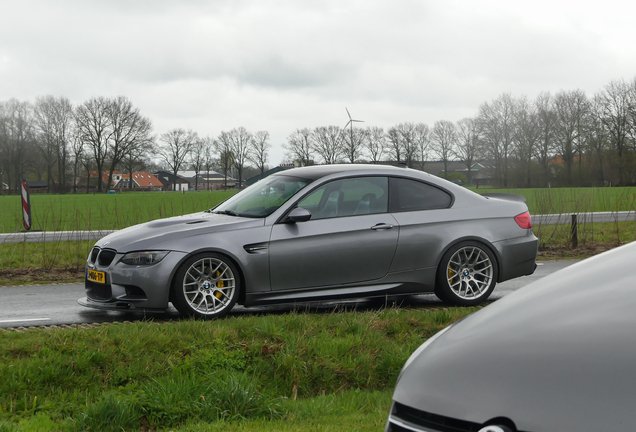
(299, 371)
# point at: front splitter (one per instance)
(118, 305)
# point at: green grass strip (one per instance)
(72, 212)
(251, 370)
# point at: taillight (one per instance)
(524, 220)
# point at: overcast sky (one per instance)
(280, 65)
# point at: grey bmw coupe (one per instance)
(315, 233)
(556, 355)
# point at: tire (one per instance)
(467, 274)
(205, 286)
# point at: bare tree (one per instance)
(353, 143)
(598, 135)
(53, 117)
(209, 159)
(299, 146)
(177, 145)
(394, 141)
(94, 128)
(618, 106)
(408, 131)
(226, 158)
(5, 166)
(327, 142)
(527, 137)
(403, 142)
(64, 130)
(45, 142)
(259, 150)
(17, 140)
(443, 137)
(130, 132)
(78, 150)
(134, 161)
(198, 158)
(238, 142)
(375, 143)
(546, 120)
(496, 131)
(570, 108)
(422, 140)
(467, 144)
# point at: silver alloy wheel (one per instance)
(209, 286)
(469, 273)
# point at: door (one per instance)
(350, 238)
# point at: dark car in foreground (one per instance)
(556, 355)
(314, 233)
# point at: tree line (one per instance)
(52, 139)
(560, 139)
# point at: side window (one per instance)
(411, 195)
(348, 197)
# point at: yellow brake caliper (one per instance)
(450, 275)
(219, 284)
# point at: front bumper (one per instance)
(130, 287)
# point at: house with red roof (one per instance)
(92, 176)
(140, 181)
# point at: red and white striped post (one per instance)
(26, 205)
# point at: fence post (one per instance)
(575, 232)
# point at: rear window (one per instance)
(410, 195)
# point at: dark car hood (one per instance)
(163, 233)
(559, 354)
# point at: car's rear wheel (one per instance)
(206, 286)
(467, 274)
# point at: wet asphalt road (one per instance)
(45, 305)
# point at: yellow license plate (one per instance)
(96, 276)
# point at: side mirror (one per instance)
(299, 214)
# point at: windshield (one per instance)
(262, 198)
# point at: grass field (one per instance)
(573, 200)
(72, 212)
(298, 371)
(103, 212)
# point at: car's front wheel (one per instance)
(205, 286)
(466, 275)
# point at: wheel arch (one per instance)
(481, 240)
(241, 299)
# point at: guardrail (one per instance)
(566, 218)
(52, 236)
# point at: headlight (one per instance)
(144, 258)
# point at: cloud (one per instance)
(280, 64)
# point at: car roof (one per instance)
(315, 172)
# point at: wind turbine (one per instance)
(350, 124)
(351, 121)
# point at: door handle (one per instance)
(381, 226)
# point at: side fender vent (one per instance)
(256, 248)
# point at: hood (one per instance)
(161, 233)
(558, 354)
